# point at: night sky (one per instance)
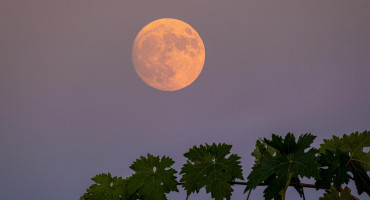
(72, 105)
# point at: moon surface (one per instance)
(168, 54)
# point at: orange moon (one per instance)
(168, 54)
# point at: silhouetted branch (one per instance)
(302, 185)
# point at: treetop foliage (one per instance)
(280, 162)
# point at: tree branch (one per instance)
(303, 185)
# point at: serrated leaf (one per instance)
(106, 187)
(333, 194)
(261, 148)
(212, 167)
(330, 144)
(291, 160)
(334, 169)
(361, 178)
(153, 177)
(359, 161)
(354, 144)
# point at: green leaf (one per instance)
(359, 161)
(212, 167)
(334, 169)
(330, 144)
(361, 178)
(106, 187)
(291, 160)
(153, 177)
(354, 144)
(333, 194)
(261, 148)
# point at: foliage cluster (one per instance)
(279, 163)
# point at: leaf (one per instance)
(106, 188)
(297, 187)
(260, 149)
(291, 160)
(359, 161)
(153, 177)
(212, 167)
(361, 178)
(345, 194)
(330, 144)
(334, 169)
(354, 144)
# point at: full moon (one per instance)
(168, 54)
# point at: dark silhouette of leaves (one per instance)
(106, 187)
(358, 161)
(354, 144)
(279, 163)
(334, 169)
(153, 177)
(334, 194)
(212, 167)
(290, 161)
(362, 180)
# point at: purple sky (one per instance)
(72, 105)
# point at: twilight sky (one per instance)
(72, 105)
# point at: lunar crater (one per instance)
(168, 54)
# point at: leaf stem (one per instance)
(283, 191)
(249, 194)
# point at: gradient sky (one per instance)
(72, 105)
